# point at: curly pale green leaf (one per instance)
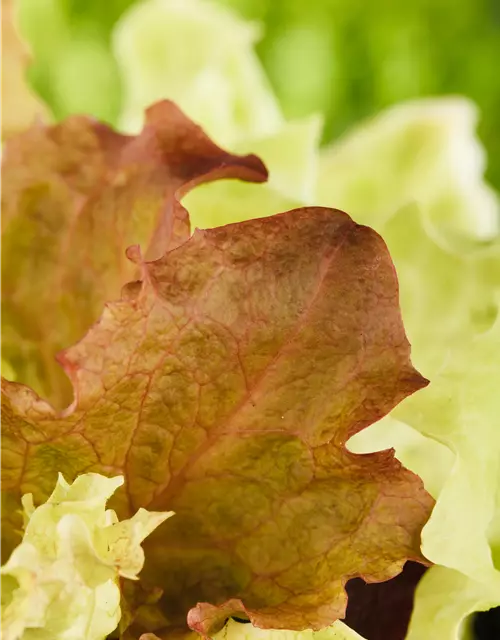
(61, 582)
(237, 631)
(423, 152)
(461, 410)
(445, 296)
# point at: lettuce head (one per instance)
(234, 378)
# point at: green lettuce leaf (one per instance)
(444, 599)
(75, 196)
(423, 152)
(223, 386)
(445, 296)
(237, 631)
(461, 410)
(61, 582)
(217, 79)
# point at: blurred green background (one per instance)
(345, 58)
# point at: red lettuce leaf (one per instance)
(224, 386)
(75, 196)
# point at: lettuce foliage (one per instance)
(78, 194)
(223, 386)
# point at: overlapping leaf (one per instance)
(461, 410)
(224, 387)
(75, 196)
(423, 152)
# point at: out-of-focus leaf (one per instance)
(85, 79)
(424, 152)
(73, 67)
(201, 56)
(224, 387)
(75, 196)
(7, 370)
(445, 295)
(221, 84)
(291, 155)
(20, 105)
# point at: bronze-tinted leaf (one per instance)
(75, 196)
(224, 386)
